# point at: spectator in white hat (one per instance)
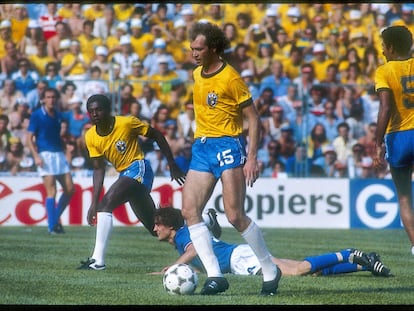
(101, 60)
(141, 41)
(126, 56)
(151, 60)
(5, 36)
(34, 33)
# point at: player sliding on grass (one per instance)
(239, 258)
(115, 139)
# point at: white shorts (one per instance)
(243, 261)
(54, 163)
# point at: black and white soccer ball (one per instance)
(180, 279)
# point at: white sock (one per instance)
(254, 238)
(412, 250)
(103, 231)
(202, 241)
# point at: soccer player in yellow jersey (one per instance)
(394, 82)
(115, 139)
(221, 101)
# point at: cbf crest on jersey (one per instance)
(120, 146)
(212, 99)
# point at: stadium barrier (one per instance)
(271, 203)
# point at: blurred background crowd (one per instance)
(310, 68)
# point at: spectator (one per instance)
(248, 77)
(52, 75)
(293, 63)
(184, 157)
(15, 156)
(368, 140)
(75, 65)
(34, 33)
(282, 46)
(10, 62)
(335, 50)
(141, 41)
(159, 119)
(113, 41)
(75, 20)
(54, 43)
(137, 78)
(126, 56)
(287, 142)
(163, 80)
(96, 83)
(343, 143)
(94, 11)
(88, 42)
(5, 135)
(299, 165)
(68, 91)
(186, 122)
(263, 61)
(273, 124)
(149, 102)
(104, 26)
(240, 58)
(317, 141)
(123, 11)
(49, 20)
(356, 120)
(19, 22)
(20, 111)
(176, 142)
(41, 58)
(8, 96)
(354, 162)
(125, 98)
(320, 61)
(33, 97)
(277, 80)
(5, 36)
(330, 121)
(151, 60)
(331, 82)
(264, 102)
(305, 81)
(101, 60)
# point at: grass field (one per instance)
(38, 269)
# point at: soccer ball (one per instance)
(180, 279)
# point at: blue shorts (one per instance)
(141, 171)
(54, 163)
(399, 148)
(214, 155)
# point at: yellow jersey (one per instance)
(398, 77)
(121, 146)
(218, 100)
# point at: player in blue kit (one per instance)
(47, 149)
(239, 258)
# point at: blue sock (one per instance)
(62, 204)
(344, 267)
(51, 213)
(326, 260)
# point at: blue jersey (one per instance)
(46, 130)
(221, 249)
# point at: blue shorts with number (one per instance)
(141, 171)
(214, 155)
(399, 148)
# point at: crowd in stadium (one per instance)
(310, 69)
